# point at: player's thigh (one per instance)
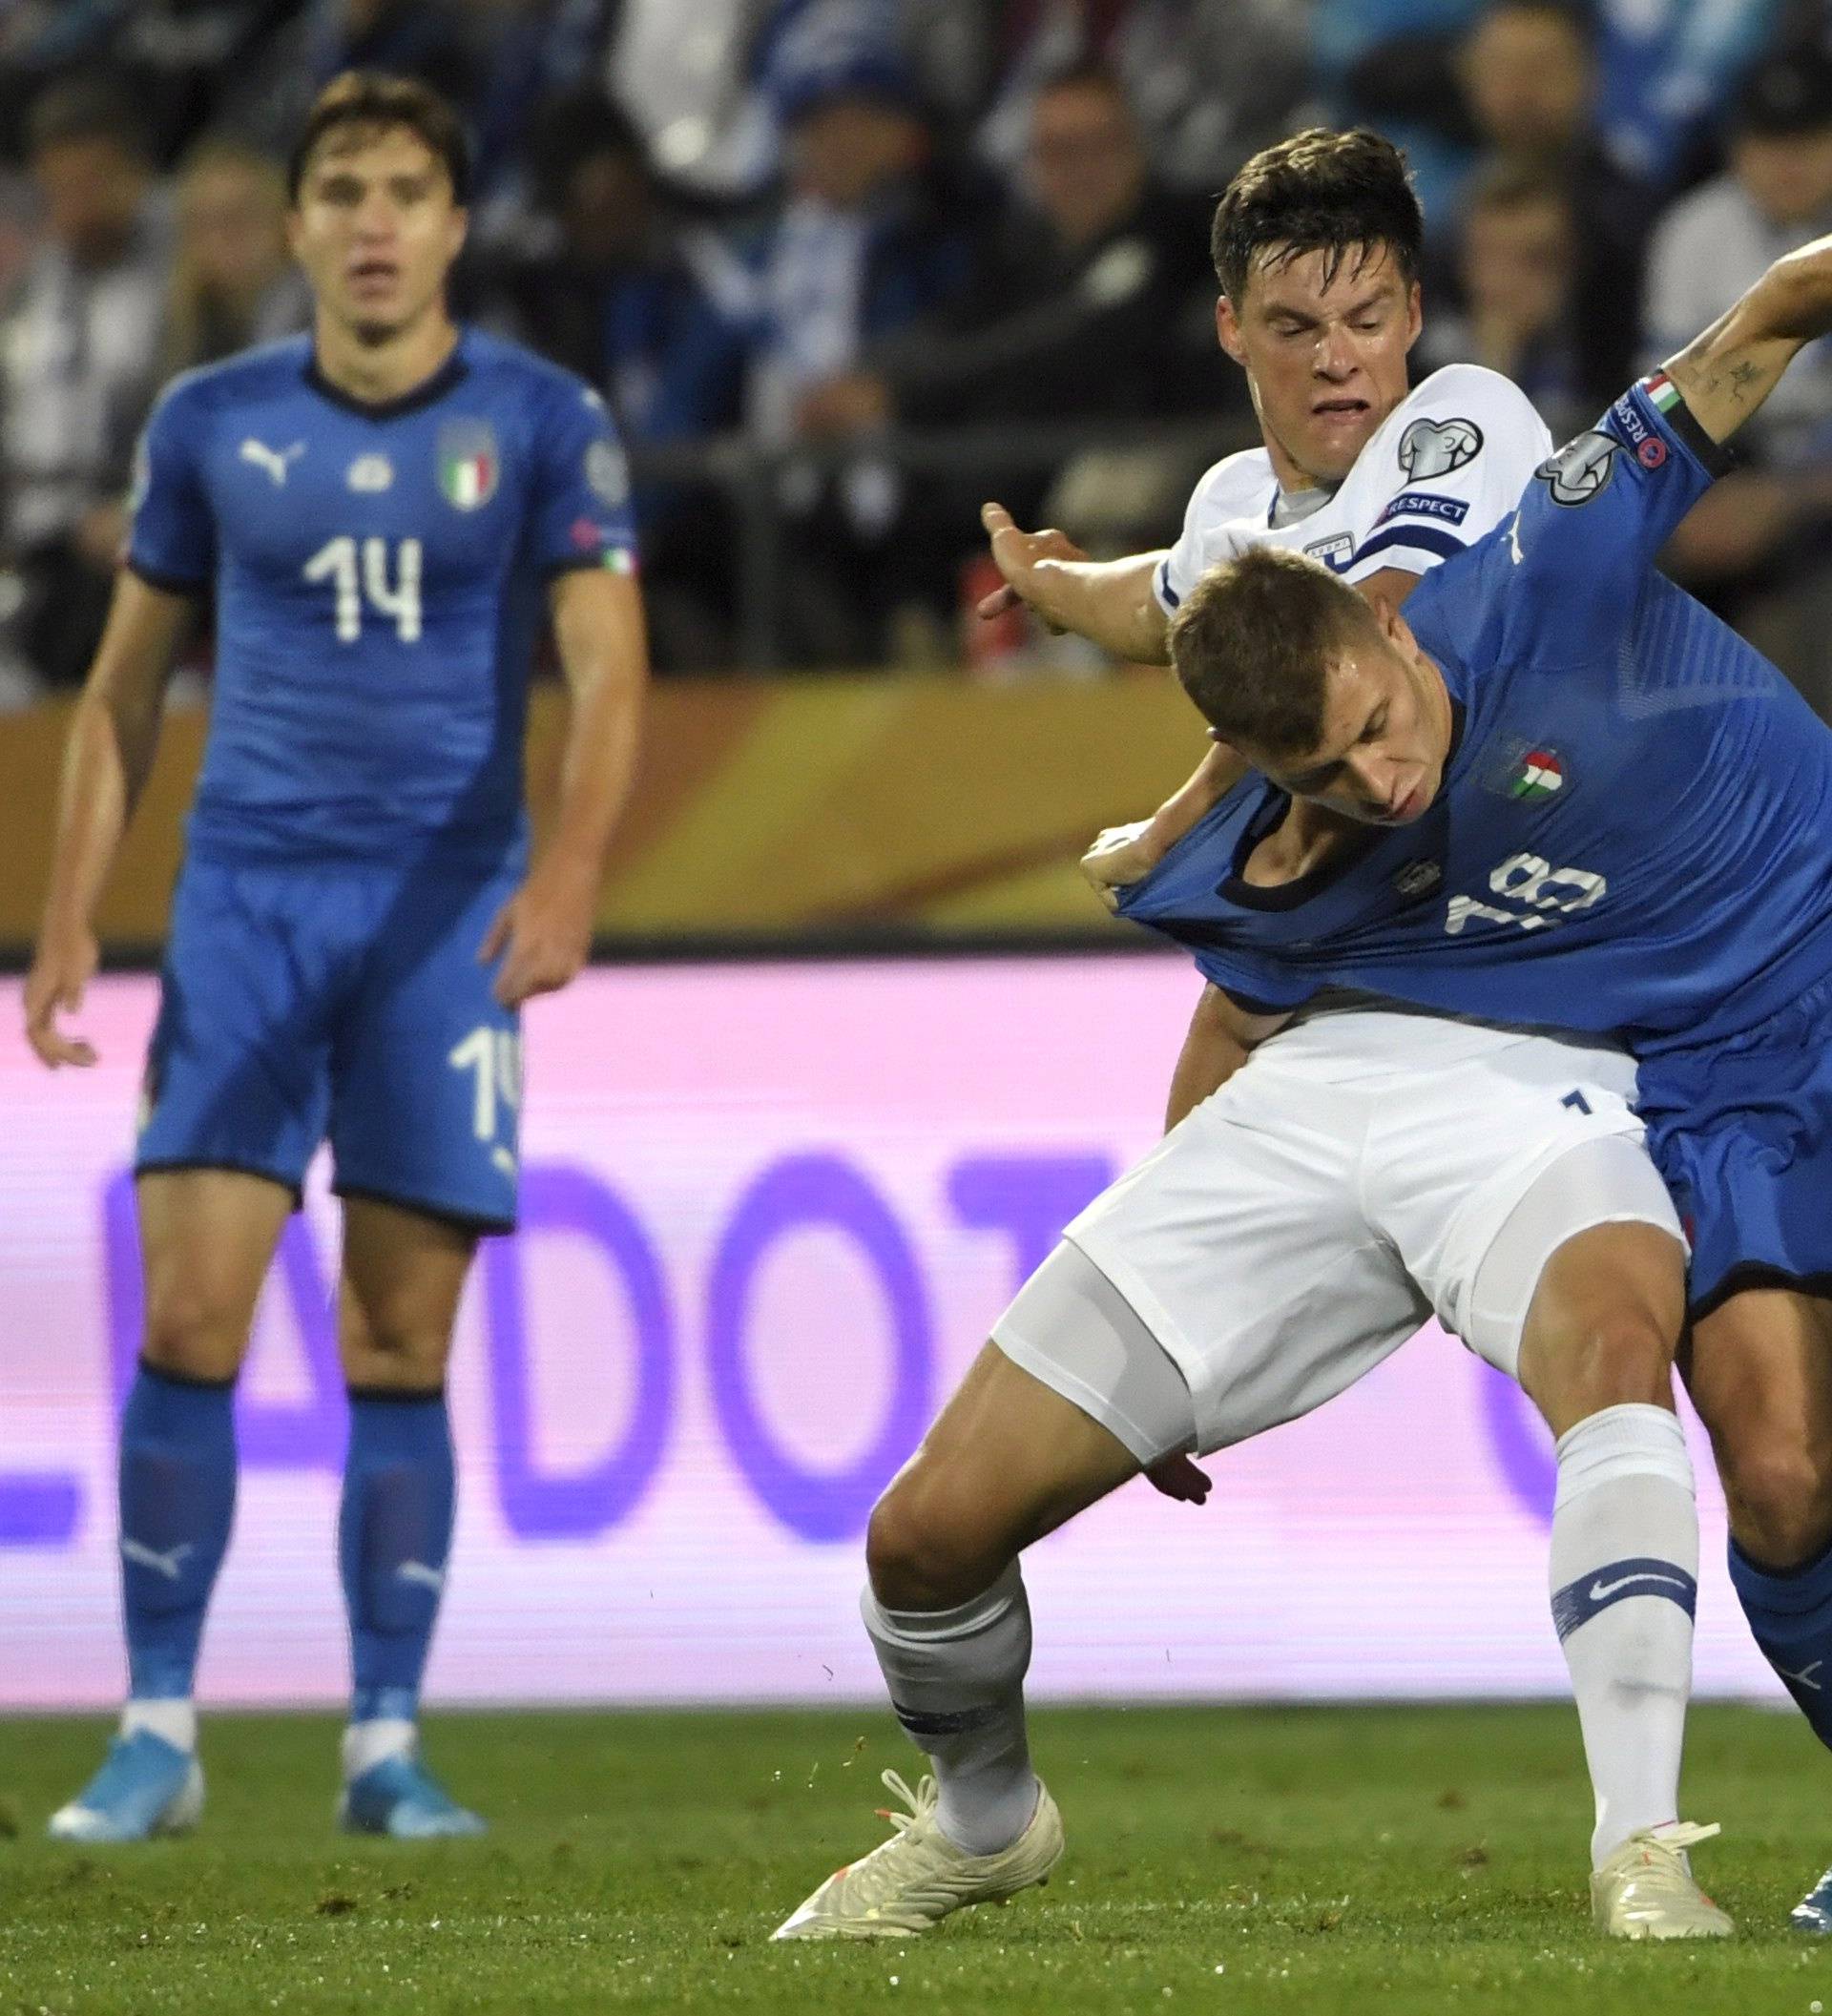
(238, 1069)
(402, 1274)
(1479, 1174)
(427, 1065)
(207, 1238)
(1758, 1367)
(1607, 1309)
(1007, 1461)
(1241, 1246)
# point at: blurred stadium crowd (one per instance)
(846, 267)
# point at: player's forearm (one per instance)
(1726, 373)
(1208, 1059)
(1211, 780)
(1110, 602)
(1222, 1037)
(113, 738)
(106, 761)
(596, 772)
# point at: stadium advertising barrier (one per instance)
(760, 807)
(770, 1211)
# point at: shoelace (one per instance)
(921, 1802)
(875, 1875)
(1663, 1851)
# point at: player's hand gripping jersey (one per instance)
(1442, 469)
(380, 576)
(1634, 828)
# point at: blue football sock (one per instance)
(178, 1485)
(393, 1533)
(1790, 1617)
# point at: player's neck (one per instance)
(377, 373)
(1299, 492)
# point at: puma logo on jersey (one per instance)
(275, 461)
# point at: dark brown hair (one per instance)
(1346, 194)
(371, 98)
(1253, 644)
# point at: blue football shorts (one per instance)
(341, 1002)
(1740, 1130)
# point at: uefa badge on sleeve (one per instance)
(469, 464)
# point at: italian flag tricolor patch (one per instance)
(1538, 774)
(467, 480)
(1663, 392)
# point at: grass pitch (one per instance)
(1221, 1860)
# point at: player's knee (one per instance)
(1617, 1358)
(925, 1548)
(1626, 1356)
(192, 1331)
(1777, 1486)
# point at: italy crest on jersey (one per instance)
(1526, 772)
(469, 465)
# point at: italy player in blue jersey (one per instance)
(1559, 792)
(386, 512)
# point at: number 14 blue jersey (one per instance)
(1634, 829)
(381, 578)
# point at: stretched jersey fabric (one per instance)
(1633, 833)
(1444, 468)
(380, 575)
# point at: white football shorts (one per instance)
(1365, 1169)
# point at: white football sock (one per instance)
(956, 1680)
(368, 1743)
(175, 1721)
(1624, 1577)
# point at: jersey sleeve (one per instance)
(1209, 535)
(1456, 458)
(581, 515)
(172, 541)
(1590, 524)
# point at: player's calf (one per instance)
(1595, 1354)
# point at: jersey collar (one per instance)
(1273, 808)
(451, 372)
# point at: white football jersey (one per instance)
(1444, 468)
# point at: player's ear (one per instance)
(1227, 331)
(1414, 313)
(1399, 632)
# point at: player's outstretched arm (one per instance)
(114, 734)
(1110, 602)
(543, 933)
(1727, 373)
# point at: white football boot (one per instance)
(918, 1876)
(1645, 1890)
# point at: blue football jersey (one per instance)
(380, 575)
(1633, 833)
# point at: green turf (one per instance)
(1328, 1861)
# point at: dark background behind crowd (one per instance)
(846, 267)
